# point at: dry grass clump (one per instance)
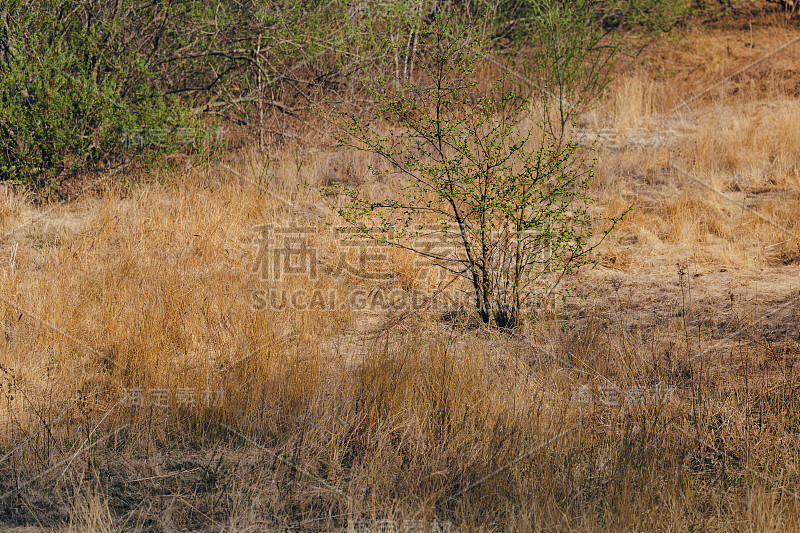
(710, 164)
(666, 399)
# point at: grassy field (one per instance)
(154, 379)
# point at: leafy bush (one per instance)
(508, 193)
(647, 15)
(71, 82)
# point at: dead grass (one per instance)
(332, 422)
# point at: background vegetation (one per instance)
(77, 77)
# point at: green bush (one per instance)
(71, 83)
(504, 189)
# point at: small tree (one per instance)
(510, 194)
(570, 47)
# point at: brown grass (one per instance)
(336, 419)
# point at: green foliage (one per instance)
(75, 75)
(571, 59)
(69, 86)
(570, 47)
(643, 15)
(477, 171)
(648, 15)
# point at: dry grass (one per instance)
(332, 422)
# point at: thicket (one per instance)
(85, 82)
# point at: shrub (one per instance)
(509, 194)
(71, 81)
